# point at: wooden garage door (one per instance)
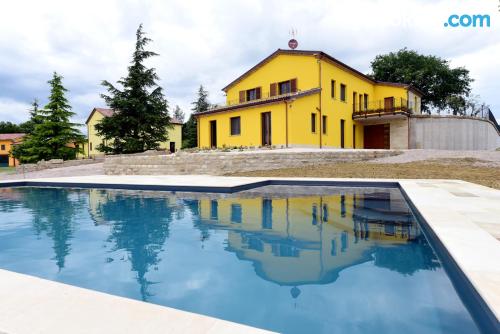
(377, 136)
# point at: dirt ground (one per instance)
(467, 169)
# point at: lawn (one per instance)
(471, 170)
(5, 170)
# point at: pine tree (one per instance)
(35, 118)
(179, 114)
(53, 135)
(141, 119)
(189, 129)
(21, 151)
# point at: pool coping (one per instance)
(445, 207)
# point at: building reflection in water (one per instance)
(290, 240)
(310, 239)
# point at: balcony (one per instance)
(264, 99)
(382, 108)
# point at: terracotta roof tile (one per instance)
(11, 136)
(107, 112)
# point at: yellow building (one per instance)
(308, 239)
(173, 144)
(309, 99)
(292, 241)
(7, 140)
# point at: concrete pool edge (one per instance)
(446, 206)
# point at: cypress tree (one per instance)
(189, 129)
(141, 118)
(179, 114)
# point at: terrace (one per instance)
(379, 108)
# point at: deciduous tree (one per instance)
(432, 75)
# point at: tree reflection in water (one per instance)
(140, 225)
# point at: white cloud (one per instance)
(14, 111)
(211, 43)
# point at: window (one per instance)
(285, 87)
(314, 214)
(313, 122)
(333, 88)
(236, 213)
(366, 101)
(235, 126)
(91, 146)
(267, 214)
(3, 148)
(214, 209)
(343, 92)
(323, 124)
(333, 252)
(249, 95)
(343, 241)
(325, 213)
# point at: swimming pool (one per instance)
(306, 260)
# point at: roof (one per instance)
(275, 99)
(11, 136)
(319, 54)
(174, 120)
(107, 112)
(395, 84)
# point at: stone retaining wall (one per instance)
(55, 163)
(220, 163)
(447, 132)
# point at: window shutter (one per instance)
(273, 89)
(242, 96)
(293, 85)
(257, 93)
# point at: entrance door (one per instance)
(213, 134)
(266, 128)
(342, 133)
(4, 161)
(172, 147)
(377, 136)
(389, 104)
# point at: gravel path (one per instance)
(491, 158)
(93, 169)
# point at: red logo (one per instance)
(292, 44)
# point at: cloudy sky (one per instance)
(212, 42)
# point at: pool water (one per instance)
(291, 260)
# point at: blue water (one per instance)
(340, 261)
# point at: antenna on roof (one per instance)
(292, 43)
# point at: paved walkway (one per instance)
(84, 170)
(464, 216)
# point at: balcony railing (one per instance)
(264, 97)
(388, 106)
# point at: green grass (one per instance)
(5, 170)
